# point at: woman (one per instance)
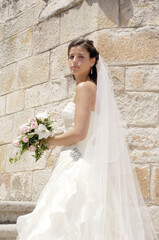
(93, 193)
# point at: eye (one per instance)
(81, 57)
(71, 57)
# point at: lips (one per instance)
(75, 67)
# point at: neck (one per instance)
(82, 79)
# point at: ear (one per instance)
(93, 60)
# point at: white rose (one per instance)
(42, 116)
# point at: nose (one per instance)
(74, 59)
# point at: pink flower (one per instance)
(34, 125)
(32, 119)
(25, 129)
(25, 139)
(32, 148)
(16, 143)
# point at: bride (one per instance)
(93, 193)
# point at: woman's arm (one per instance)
(84, 97)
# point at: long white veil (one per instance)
(116, 209)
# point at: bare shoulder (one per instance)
(87, 86)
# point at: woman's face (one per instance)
(79, 60)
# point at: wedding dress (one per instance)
(52, 217)
(93, 192)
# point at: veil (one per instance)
(116, 208)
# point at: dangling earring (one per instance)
(92, 70)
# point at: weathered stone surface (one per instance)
(59, 62)
(139, 109)
(11, 210)
(39, 6)
(71, 87)
(47, 35)
(145, 156)
(8, 81)
(154, 211)
(6, 127)
(139, 13)
(40, 178)
(26, 163)
(117, 74)
(1, 32)
(146, 139)
(17, 47)
(2, 158)
(2, 105)
(16, 7)
(129, 46)
(21, 186)
(3, 10)
(19, 119)
(33, 70)
(15, 101)
(88, 17)
(143, 174)
(142, 78)
(4, 187)
(19, 24)
(46, 93)
(57, 6)
(155, 185)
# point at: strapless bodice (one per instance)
(68, 118)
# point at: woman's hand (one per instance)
(50, 142)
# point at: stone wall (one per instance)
(34, 75)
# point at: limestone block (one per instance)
(8, 79)
(71, 86)
(46, 93)
(2, 105)
(142, 78)
(40, 179)
(57, 6)
(139, 109)
(19, 119)
(117, 75)
(143, 138)
(17, 47)
(59, 66)
(16, 7)
(4, 186)
(21, 186)
(145, 156)
(140, 13)
(143, 174)
(6, 127)
(1, 32)
(87, 18)
(19, 24)
(129, 46)
(33, 70)
(155, 185)
(26, 162)
(39, 6)
(2, 158)
(3, 10)
(15, 101)
(154, 212)
(46, 35)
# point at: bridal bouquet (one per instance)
(33, 135)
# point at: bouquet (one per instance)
(33, 135)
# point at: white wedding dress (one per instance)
(69, 208)
(52, 217)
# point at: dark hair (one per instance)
(88, 45)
